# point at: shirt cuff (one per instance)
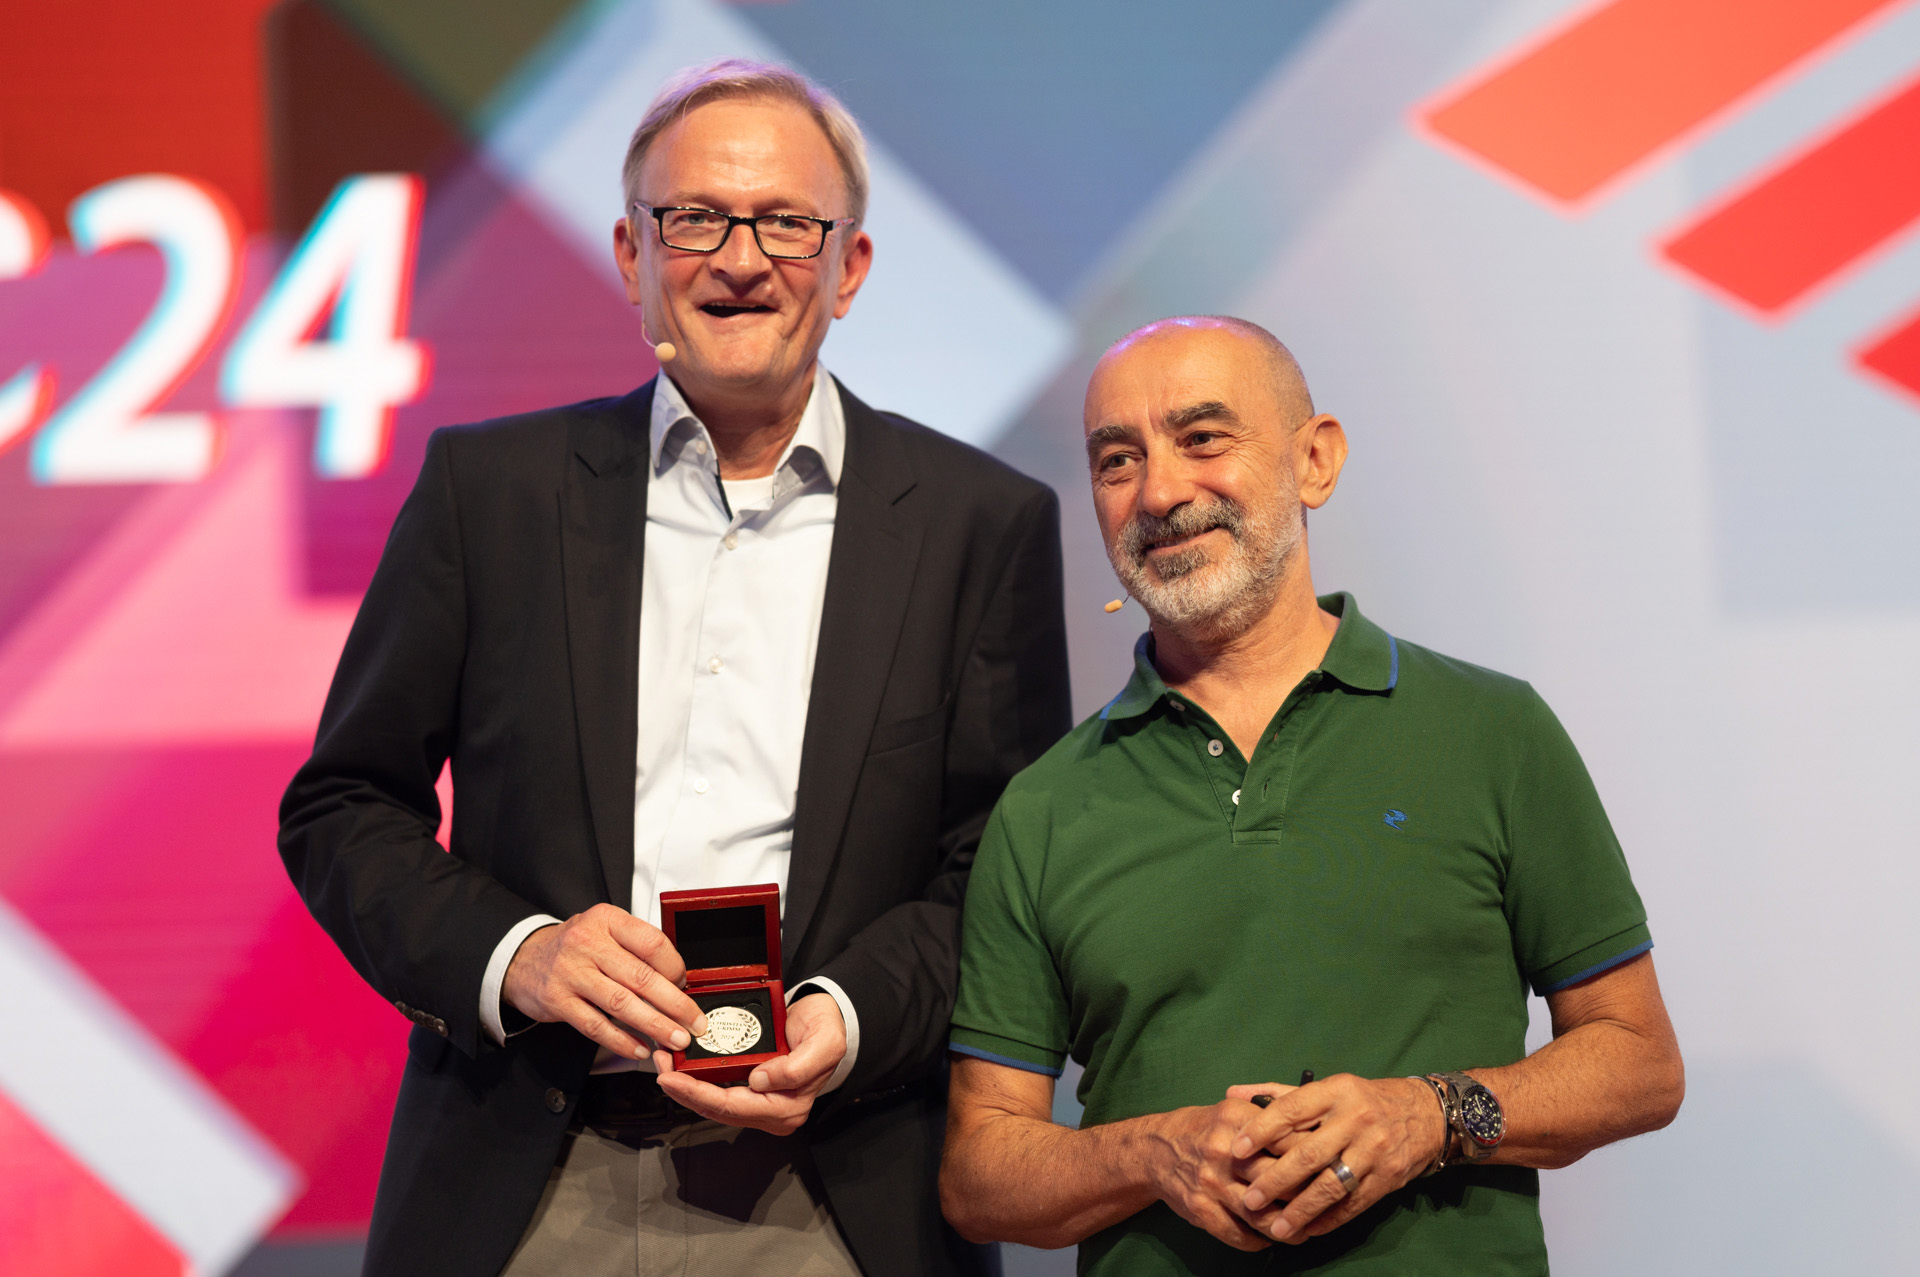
(496, 973)
(1010, 1052)
(840, 999)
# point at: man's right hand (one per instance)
(602, 966)
(1195, 1172)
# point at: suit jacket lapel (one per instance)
(870, 570)
(603, 521)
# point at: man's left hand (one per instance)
(1384, 1131)
(780, 1093)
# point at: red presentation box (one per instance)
(729, 938)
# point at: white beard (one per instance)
(1202, 595)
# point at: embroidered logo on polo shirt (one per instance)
(1394, 818)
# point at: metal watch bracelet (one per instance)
(1443, 1093)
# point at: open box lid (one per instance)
(725, 933)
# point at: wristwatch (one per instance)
(1473, 1115)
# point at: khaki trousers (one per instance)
(693, 1198)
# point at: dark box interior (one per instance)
(735, 936)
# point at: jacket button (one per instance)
(556, 1100)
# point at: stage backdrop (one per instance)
(1620, 303)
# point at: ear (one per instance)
(1320, 452)
(626, 255)
(853, 273)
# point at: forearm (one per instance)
(1596, 1083)
(1013, 1178)
(385, 893)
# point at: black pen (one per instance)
(1261, 1101)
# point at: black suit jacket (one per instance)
(501, 630)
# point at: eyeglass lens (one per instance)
(701, 231)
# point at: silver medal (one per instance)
(730, 1030)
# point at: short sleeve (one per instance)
(1011, 1007)
(1570, 901)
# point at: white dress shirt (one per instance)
(731, 593)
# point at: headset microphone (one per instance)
(664, 351)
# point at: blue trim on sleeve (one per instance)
(1393, 666)
(1007, 1060)
(1591, 971)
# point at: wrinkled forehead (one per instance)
(1166, 380)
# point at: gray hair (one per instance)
(744, 78)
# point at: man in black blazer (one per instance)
(503, 632)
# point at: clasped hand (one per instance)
(612, 976)
(1247, 1174)
(1385, 1131)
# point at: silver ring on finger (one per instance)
(1343, 1173)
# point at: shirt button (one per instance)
(700, 785)
(556, 1100)
(714, 665)
(731, 540)
(1215, 748)
(1236, 798)
(699, 447)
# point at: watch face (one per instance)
(1480, 1114)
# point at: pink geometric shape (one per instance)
(154, 871)
(311, 1057)
(210, 639)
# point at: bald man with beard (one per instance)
(1293, 845)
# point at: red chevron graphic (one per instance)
(1815, 215)
(1575, 110)
(1619, 83)
(1895, 355)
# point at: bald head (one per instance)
(1230, 340)
(1205, 453)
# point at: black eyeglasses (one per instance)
(702, 230)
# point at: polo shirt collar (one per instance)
(1144, 690)
(1362, 657)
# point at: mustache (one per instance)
(1144, 530)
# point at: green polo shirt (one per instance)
(1414, 843)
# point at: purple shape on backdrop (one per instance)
(514, 321)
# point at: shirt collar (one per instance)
(1362, 657)
(822, 431)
